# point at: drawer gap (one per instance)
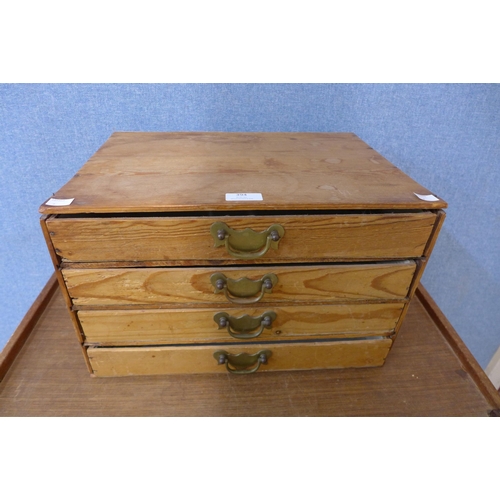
(233, 213)
(241, 344)
(68, 264)
(274, 264)
(201, 305)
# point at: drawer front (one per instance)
(182, 239)
(109, 362)
(179, 326)
(334, 283)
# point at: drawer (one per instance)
(190, 240)
(179, 326)
(109, 362)
(232, 285)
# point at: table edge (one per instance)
(21, 334)
(458, 346)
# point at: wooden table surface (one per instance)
(429, 372)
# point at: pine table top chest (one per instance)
(206, 252)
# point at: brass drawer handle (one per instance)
(246, 244)
(243, 290)
(242, 361)
(241, 328)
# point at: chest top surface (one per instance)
(192, 171)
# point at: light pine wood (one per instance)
(141, 172)
(199, 359)
(177, 326)
(57, 270)
(421, 264)
(440, 217)
(426, 374)
(176, 286)
(313, 237)
(134, 251)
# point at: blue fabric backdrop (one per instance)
(447, 137)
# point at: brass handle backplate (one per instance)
(243, 361)
(246, 244)
(243, 290)
(245, 327)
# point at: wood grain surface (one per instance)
(422, 377)
(310, 238)
(116, 362)
(137, 172)
(176, 326)
(334, 283)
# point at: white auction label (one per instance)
(58, 202)
(244, 197)
(427, 197)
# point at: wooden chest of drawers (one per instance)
(206, 252)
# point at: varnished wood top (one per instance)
(162, 172)
(429, 372)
